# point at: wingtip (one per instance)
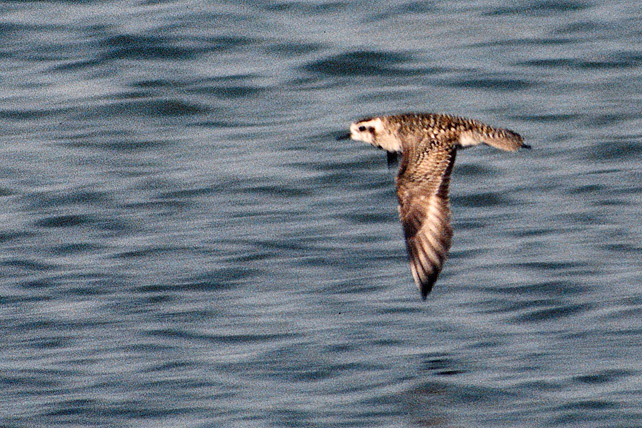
(392, 158)
(425, 291)
(526, 146)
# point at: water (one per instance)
(185, 244)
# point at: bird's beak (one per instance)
(343, 137)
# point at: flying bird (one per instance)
(428, 144)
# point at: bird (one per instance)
(427, 144)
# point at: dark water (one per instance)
(185, 244)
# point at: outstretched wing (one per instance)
(424, 208)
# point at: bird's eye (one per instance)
(371, 129)
(362, 128)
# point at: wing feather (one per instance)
(424, 209)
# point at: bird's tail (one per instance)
(503, 139)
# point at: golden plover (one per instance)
(428, 144)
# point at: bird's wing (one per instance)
(424, 208)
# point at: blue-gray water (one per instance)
(185, 244)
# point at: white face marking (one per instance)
(372, 131)
(366, 130)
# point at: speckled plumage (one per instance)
(428, 145)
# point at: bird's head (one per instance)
(374, 131)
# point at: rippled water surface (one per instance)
(185, 244)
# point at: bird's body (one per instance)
(428, 145)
